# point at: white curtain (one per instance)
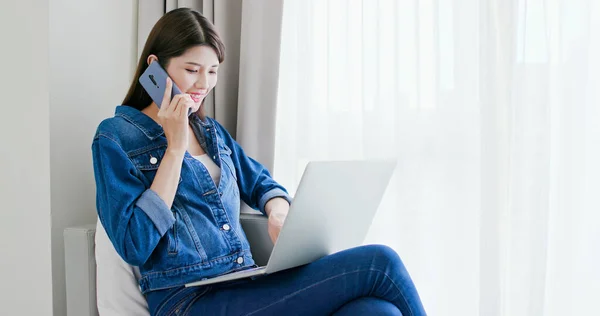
(491, 108)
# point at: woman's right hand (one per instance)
(173, 117)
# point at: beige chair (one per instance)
(80, 262)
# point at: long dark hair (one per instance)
(170, 37)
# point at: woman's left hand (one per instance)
(277, 209)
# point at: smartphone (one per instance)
(154, 81)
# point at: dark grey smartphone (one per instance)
(154, 81)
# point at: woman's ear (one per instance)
(151, 58)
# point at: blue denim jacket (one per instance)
(200, 236)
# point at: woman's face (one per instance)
(194, 72)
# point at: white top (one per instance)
(213, 169)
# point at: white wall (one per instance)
(92, 59)
(25, 279)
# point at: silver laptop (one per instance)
(332, 211)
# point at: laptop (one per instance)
(332, 211)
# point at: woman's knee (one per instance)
(382, 250)
(383, 256)
(368, 306)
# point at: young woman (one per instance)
(169, 187)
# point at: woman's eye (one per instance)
(192, 70)
(213, 72)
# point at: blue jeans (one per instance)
(359, 281)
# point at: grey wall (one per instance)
(92, 59)
(25, 279)
(65, 67)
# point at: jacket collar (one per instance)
(140, 120)
(147, 125)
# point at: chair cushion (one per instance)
(117, 289)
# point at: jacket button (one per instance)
(240, 260)
(226, 227)
(153, 160)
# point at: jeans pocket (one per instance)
(182, 304)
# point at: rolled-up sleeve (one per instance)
(157, 210)
(274, 193)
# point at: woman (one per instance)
(169, 187)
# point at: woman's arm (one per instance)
(256, 185)
(167, 176)
(135, 218)
(277, 210)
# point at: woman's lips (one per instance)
(197, 97)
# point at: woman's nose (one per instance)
(202, 82)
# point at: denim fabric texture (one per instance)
(200, 236)
(366, 280)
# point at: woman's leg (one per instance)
(318, 288)
(368, 306)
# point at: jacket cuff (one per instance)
(271, 195)
(156, 209)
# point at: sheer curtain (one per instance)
(491, 108)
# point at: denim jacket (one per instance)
(200, 236)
